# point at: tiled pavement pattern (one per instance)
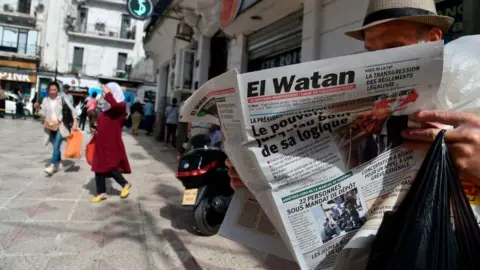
(49, 223)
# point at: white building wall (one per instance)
(324, 25)
(98, 60)
(100, 55)
(338, 17)
(54, 42)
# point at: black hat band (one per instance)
(394, 13)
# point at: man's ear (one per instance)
(434, 34)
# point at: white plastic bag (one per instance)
(460, 87)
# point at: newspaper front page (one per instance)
(319, 145)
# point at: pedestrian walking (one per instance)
(110, 158)
(128, 119)
(60, 120)
(83, 113)
(149, 117)
(19, 103)
(172, 114)
(3, 97)
(92, 110)
(137, 113)
(34, 111)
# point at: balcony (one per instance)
(120, 73)
(122, 3)
(76, 68)
(101, 31)
(19, 50)
(16, 15)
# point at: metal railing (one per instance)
(105, 31)
(20, 48)
(120, 73)
(76, 68)
(14, 8)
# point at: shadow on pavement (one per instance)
(155, 149)
(92, 187)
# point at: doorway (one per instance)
(218, 55)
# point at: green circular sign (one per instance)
(140, 9)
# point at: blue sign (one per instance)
(140, 9)
(43, 92)
(129, 97)
(94, 90)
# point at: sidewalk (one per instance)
(49, 223)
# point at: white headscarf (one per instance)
(117, 93)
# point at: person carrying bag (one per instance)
(60, 120)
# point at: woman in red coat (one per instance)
(110, 158)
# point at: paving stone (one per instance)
(29, 262)
(50, 223)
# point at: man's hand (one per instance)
(235, 181)
(463, 141)
(37, 106)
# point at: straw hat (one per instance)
(382, 11)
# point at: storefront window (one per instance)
(287, 58)
(454, 9)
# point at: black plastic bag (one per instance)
(420, 233)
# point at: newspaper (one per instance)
(319, 146)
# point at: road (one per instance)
(49, 222)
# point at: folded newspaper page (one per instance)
(318, 144)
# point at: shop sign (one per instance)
(17, 77)
(230, 9)
(140, 9)
(290, 57)
(454, 9)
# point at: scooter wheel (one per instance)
(205, 219)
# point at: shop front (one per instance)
(454, 9)
(18, 76)
(276, 45)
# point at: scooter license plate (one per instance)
(189, 196)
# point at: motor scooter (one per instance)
(204, 175)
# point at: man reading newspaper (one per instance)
(396, 23)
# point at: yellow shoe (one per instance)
(125, 191)
(98, 199)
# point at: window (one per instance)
(122, 61)
(121, 65)
(77, 63)
(188, 59)
(24, 6)
(10, 37)
(22, 41)
(82, 20)
(124, 30)
(32, 48)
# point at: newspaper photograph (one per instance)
(319, 145)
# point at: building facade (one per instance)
(21, 25)
(193, 41)
(90, 42)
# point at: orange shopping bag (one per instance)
(74, 145)
(90, 151)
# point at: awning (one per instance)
(230, 9)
